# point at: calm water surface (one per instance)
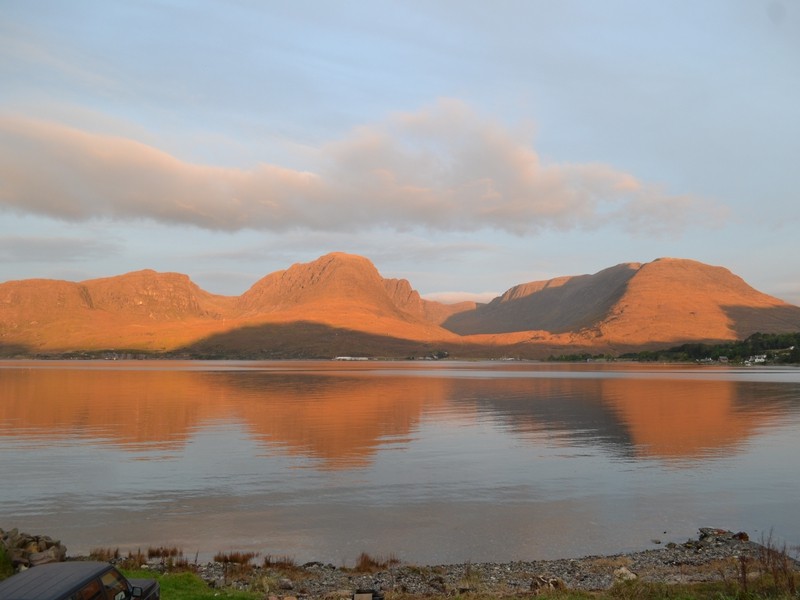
(434, 462)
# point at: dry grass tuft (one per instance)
(164, 552)
(236, 564)
(134, 561)
(776, 569)
(171, 557)
(287, 563)
(104, 554)
(471, 581)
(369, 564)
(237, 558)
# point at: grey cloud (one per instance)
(52, 249)
(443, 168)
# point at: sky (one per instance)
(465, 146)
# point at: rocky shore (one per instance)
(25, 550)
(716, 555)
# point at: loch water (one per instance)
(433, 462)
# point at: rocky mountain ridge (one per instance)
(340, 304)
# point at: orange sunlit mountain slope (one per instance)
(340, 304)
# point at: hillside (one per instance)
(344, 291)
(635, 305)
(143, 310)
(340, 304)
(673, 300)
(565, 304)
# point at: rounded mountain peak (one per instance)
(334, 276)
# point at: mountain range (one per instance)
(340, 305)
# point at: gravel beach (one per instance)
(715, 555)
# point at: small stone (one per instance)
(656, 541)
(285, 584)
(540, 584)
(712, 532)
(624, 574)
(437, 583)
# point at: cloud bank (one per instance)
(442, 168)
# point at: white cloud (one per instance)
(455, 297)
(443, 168)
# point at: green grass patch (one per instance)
(188, 586)
(6, 568)
(719, 590)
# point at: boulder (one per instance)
(26, 550)
(49, 555)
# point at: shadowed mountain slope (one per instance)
(303, 340)
(665, 301)
(558, 305)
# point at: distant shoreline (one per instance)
(380, 359)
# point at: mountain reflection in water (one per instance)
(438, 462)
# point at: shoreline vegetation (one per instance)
(718, 565)
(757, 349)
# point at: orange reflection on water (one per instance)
(343, 417)
(679, 418)
(155, 409)
(341, 420)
